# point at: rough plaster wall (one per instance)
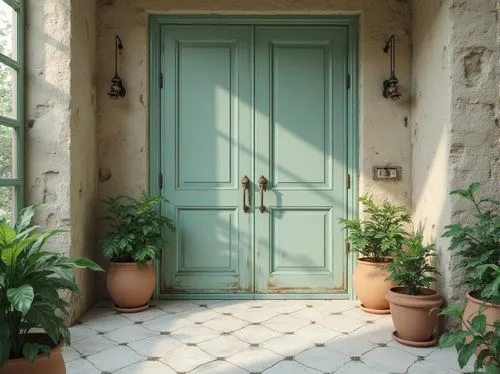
(431, 110)
(455, 125)
(123, 124)
(61, 146)
(475, 135)
(48, 76)
(83, 147)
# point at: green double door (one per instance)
(254, 127)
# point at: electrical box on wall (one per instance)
(387, 173)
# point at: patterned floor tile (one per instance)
(130, 334)
(194, 334)
(399, 361)
(219, 367)
(156, 346)
(322, 359)
(147, 367)
(255, 360)
(286, 323)
(251, 336)
(185, 359)
(114, 358)
(256, 334)
(223, 346)
(290, 367)
(288, 345)
(225, 324)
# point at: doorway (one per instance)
(254, 154)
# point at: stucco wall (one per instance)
(431, 122)
(83, 146)
(60, 136)
(123, 124)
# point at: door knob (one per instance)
(263, 188)
(245, 183)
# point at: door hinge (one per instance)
(348, 181)
(161, 80)
(347, 248)
(348, 81)
(160, 180)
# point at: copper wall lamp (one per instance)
(117, 89)
(391, 89)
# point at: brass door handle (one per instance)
(263, 187)
(245, 183)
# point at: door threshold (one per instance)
(254, 296)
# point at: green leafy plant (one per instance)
(410, 267)
(478, 243)
(477, 335)
(30, 283)
(380, 233)
(136, 229)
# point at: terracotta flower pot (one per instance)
(130, 286)
(43, 364)
(492, 312)
(412, 316)
(371, 286)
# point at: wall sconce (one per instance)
(117, 89)
(391, 89)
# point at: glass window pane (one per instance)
(8, 152)
(8, 92)
(8, 31)
(8, 203)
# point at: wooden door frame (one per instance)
(350, 23)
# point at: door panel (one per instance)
(207, 135)
(300, 148)
(287, 123)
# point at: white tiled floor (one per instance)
(246, 337)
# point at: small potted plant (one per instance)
(478, 245)
(375, 238)
(31, 281)
(476, 335)
(413, 304)
(131, 247)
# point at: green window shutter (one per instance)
(11, 108)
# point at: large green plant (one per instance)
(475, 334)
(30, 283)
(478, 243)
(382, 231)
(136, 229)
(410, 266)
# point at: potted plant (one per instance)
(375, 238)
(476, 335)
(478, 245)
(413, 304)
(131, 247)
(31, 281)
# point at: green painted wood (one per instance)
(17, 123)
(155, 149)
(301, 134)
(207, 140)
(157, 100)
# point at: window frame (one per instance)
(17, 182)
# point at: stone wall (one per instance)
(455, 128)
(475, 133)
(60, 134)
